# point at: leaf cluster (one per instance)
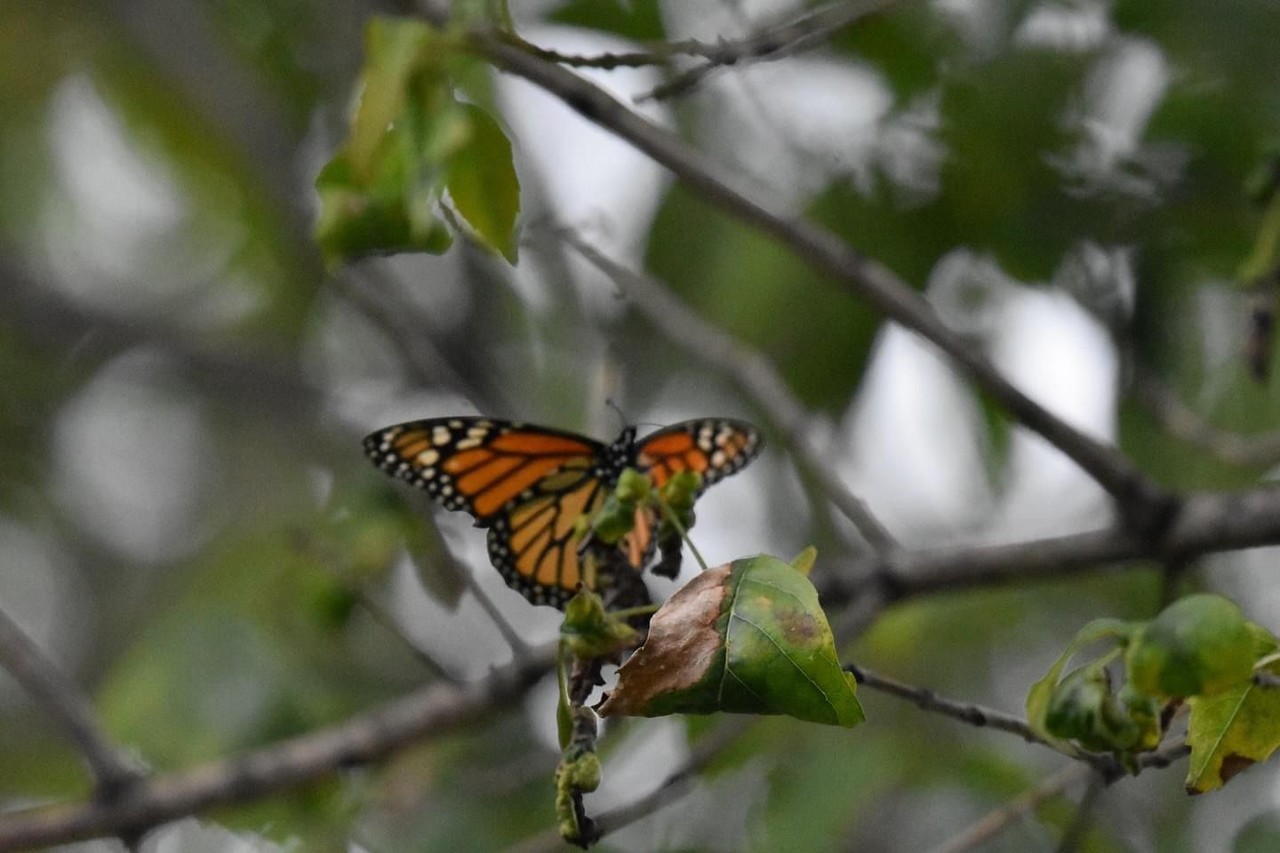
(1199, 651)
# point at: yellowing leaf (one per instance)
(1230, 731)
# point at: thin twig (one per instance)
(327, 558)
(1159, 759)
(67, 707)
(977, 715)
(1083, 816)
(1106, 766)
(773, 42)
(1183, 422)
(1145, 506)
(375, 297)
(748, 369)
(519, 648)
(653, 53)
(990, 825)
(367, 737)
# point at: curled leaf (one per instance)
(748, 637)
(1083, 708)
(1042, 692)
(1199, 645)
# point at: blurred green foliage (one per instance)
(257, 627)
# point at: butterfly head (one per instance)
(618, 456)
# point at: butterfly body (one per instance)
(531, 485)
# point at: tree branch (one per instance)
(773, 42)
(37, 313)
(1145, 505)
(1107, 766)
(749, 370)
(1210, 522)
(977, 715)
(431, 711)
(67, 707)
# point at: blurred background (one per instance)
(189, 528)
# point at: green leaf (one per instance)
(483, 184)
(803, 562)
(589, 631)
(1041, 693)
(381, 192)
(1083, 708)
(1231, 730)
(394, 51)
(1198, 645)
(747, 638)
(356, 221)
(617, 517)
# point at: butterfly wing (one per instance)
(536, 543)
(528, 485)
(478, 465)
(713, 447)
(531, 486)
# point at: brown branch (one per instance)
(977, 715)
(432, 711)
(654, 53)
(35, 312)
(1106, 766)
(1209, 522)
(67, 707)
(748, 369)
(1145, 505)
(771, 42)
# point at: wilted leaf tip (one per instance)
(680, 652)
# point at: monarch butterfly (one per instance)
(531, 485)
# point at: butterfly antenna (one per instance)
(622, 416)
